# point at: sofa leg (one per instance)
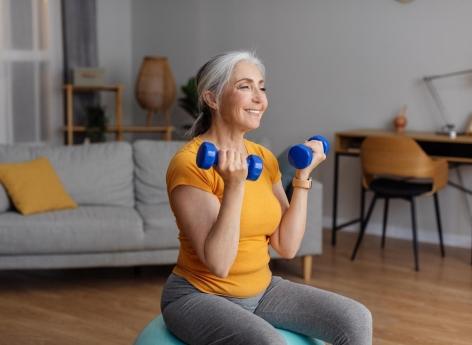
(307, 267)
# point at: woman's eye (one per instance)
(243, 87)
(263, 89)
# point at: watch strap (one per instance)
(301, 183)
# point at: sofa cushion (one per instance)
(95, 174)
(87, 229)
(151, 159)
(34, 186)
(160, 229)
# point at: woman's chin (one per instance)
(253, 125)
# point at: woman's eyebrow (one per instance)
(249, 79)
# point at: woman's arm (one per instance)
(287, 238)
(213, 229)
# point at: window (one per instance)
(30, 70)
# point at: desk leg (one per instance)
(362, 205)
(335, 200)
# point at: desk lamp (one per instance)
(449, 128)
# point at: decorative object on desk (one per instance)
(96, 124)
(449, 129)
(88, 76)
(155, 87)
(400, 121)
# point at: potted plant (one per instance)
(96, 124)
(189, 100)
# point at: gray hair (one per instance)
(213, 76)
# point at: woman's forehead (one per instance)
(246, 70)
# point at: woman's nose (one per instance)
(257, 95)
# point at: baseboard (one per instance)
(424, 236)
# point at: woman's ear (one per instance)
(210, 100)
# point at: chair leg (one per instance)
(438, 220)
(415, 237)
(363, 227)
(384, 228)
(361, 216)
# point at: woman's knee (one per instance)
(358, 324)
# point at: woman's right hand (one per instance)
(232, 166)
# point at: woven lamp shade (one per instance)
(155, 87)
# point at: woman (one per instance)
(221, 290)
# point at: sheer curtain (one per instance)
(79, 20)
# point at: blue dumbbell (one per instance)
(207, 156)
(300, 156)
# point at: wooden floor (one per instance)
(110, 306)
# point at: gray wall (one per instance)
(332, 66)
(115, 52)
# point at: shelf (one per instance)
(93, 88)
(128, 129)
(118, 129)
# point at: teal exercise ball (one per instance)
(156, 333)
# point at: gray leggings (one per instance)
(199, 318)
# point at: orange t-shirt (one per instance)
(260, 216)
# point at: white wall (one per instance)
(332, 66)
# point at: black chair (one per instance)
(396, 167)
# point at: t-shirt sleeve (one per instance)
(183, 170)
(271, 164)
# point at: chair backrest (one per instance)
(394, 155)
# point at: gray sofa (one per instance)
(123, 218)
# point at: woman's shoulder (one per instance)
(188, 151)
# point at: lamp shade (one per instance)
(155, 86)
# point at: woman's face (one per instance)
(244, 100)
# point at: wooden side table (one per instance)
(71, 89)
(118, 127)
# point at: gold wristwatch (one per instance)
(300, 183)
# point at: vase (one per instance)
(155, 87)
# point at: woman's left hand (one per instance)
(318, 157)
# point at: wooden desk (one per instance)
(348, 143)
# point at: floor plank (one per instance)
(110, 306)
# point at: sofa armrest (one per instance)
(5, 204)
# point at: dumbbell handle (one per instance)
(300, 156)
(207, 156)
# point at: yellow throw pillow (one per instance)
(34, 186)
